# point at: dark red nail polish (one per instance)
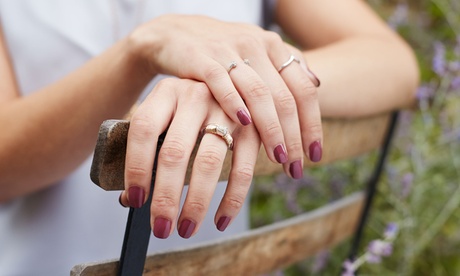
(119, 200)
(295, 168)
(186, 228)
(315, 151)
(136, 196)
(244, 118)
(314, 78)
(280, 154)
(161, 227)
(223, 223)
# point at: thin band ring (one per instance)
(220, 131)
(288, 62)
(232, 65)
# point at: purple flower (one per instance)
(380, 248)
(391, 231)
(425, 92)
(373, 259)
(349, 268)
(399, 16)
(439, 59)
(455, 83)
(406, 184)
(321, 260)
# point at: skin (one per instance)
(363, 66)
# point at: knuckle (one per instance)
(137, 172)
(173, 152)
(213, 73)
(273, 38)
(209, 160)
(307, 90)
(247, 41)
(141, 127)
(197, 206)
(314, 129)
(244, 174)
(272, 129)
(164, 201)
(235, 201)
(229, 97)
(295, 146)
(286, 103)
(258, 90)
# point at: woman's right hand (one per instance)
(185, 108)
(283, 104)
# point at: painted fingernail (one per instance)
(311, 75)
(280, 154)
(136, 196)
(243, 116)
(315, 151)
(186, 228)
(296, 169)
(222, 223)
(119, 201)
(161, 227)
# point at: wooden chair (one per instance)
(264, 249)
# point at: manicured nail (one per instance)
(161, 227)
(119, 200)
(223, 223)
(311, 75)
(280, 154)
(136, 196)
(315, 151)
(186, 228)
(296, 169)
(243, 116)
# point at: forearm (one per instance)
(364, 75)
(48, 134)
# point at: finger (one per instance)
(287, 113)
(259, 100)
(245, 154)
(306, 98)
(145, 127)
(205, 175)
(216, 76)
(174, 157)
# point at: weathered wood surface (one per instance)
(257, 251)
(343, 138)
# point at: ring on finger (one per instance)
(232, 65)
(288, 62)
(220, 131)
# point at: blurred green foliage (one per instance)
(420, 189)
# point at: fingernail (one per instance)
(186, 228)
(280, 154)
(136, 196)
(315, 151)
(296, 169)
(311, 75)
(161, 227)
(243, 116)
(119, 201)
(223, 223)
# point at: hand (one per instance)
(283, 105)
(186, 107)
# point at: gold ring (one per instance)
(220, 131)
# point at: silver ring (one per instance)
(246, 61)
(232, 65)
(287, 63)
(220, 131)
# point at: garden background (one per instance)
(419, 190)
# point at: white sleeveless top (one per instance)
(74, 221)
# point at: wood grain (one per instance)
(254, 252)
(343, 139)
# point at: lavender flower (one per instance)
(425, 92)
(439, 59)
(455, 83)
(380, 248)
(406, 184)
(391, 231)
(349, 268)
(399, 16)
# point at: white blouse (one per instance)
(74, 221)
